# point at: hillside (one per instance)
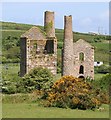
(11, 33)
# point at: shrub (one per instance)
(9, 89)
(38, 78)
(9, 83)
(108, 37)
(59, 66)
(102, 69)
(59, 70)
(102, 87)
(104, 82)
(60, 45)
(15, 60)
(70, 92)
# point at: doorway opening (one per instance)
(81, 69)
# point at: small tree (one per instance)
(38, 78)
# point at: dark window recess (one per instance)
(49, 47)
(81, 70)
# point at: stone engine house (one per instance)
(39, 49)
(77, 57)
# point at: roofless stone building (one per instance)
(39, 49)
(78, 57)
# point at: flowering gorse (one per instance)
(71, 92)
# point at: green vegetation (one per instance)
(15, 26)
(11, 33)
(102, 52)
(19, 98)
(32, 110)
(15, 104)
(103, 69)
(70, 92)
(103, 83)
(98, 76)
(10, 74)
(11, 46)
(48, 26)
(29, 103)
(37, 78)
(10, 77)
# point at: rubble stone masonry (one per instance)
(67, 47)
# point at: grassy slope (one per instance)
(15, 29)
(35, 111)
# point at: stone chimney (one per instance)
(68, 47)
(49, 24)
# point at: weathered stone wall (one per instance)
(73, 64)
(39, 50)
(41, 59)
(49, 24)
(88, 63)
(67, 47)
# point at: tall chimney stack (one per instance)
(49, 24)
(68, 47)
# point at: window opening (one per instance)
(81, 70)
(81, 56)
(49, 47)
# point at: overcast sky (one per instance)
(87, 16)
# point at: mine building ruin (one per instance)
(39, 49)
(78, 57)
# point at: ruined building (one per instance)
(39, 49)
(78, 57)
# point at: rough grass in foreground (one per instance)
(35, 111)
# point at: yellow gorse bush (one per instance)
(71, 92)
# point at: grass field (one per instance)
(14, 68)
(22, 107)
(35, 111)
(99, 76)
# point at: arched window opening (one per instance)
(82, 77)
(81, 70)
(81, 56)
